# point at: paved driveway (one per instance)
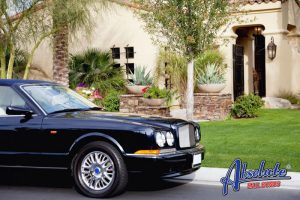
(41, 185)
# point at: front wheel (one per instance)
(99, 170)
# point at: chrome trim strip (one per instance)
(34, 101)
(32, 167)
(33, 153)
(16, 115)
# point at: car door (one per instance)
(17, 142)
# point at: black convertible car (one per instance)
(44, 125)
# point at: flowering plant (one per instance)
(89, 93)
(144, 90)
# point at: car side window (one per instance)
(8, 97)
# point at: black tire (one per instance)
(117, 184)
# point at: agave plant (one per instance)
(95, 68)
(140, 77)
(211, 74)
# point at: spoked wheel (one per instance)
(99, 170)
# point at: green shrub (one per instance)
(111, 101)
(156, 93)
(292, 99)
(298, 101)
(246, 106)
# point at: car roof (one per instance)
(21, 82)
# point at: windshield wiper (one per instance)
(75, 109)
(95, 108)
(68, 110)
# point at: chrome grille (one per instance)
(186, 136)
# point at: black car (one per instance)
(44, 125)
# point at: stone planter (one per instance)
(154, 102)
(135, 89)
(211, 88)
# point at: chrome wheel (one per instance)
(97, 170)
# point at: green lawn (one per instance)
(274, 136)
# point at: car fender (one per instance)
(90, 137)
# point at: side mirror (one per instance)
(11, 110)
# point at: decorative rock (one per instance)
(274, 102)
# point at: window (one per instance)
(115, 53)
(117, 66)
(129, 52)
(8, 97)
(130, 68)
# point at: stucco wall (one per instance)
(116, 26)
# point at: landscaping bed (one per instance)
(274, 136)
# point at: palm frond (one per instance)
(95, 68)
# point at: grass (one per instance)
(274, 136)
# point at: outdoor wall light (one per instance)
(272, 47)
(258, 30)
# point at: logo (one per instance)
(242, 175)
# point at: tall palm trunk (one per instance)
(61, 55)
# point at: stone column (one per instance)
(225, 46)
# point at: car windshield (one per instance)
(56, 98)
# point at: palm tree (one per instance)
(96, 68)
(68, 17)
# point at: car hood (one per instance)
(165, 122)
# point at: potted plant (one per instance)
(140, 80)
(154, 96)
(210, 71)
(211, 79)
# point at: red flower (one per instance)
(144, 90)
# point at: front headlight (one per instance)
(197, 134)
(160, 139)
(170, 139)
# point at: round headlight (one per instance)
(160, 139)
(197, 134)
(170, 138)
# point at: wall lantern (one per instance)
(258, 30)
(272, 47)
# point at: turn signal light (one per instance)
(151, 152)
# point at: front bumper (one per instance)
(166, 165)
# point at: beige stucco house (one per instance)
(244, 44)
